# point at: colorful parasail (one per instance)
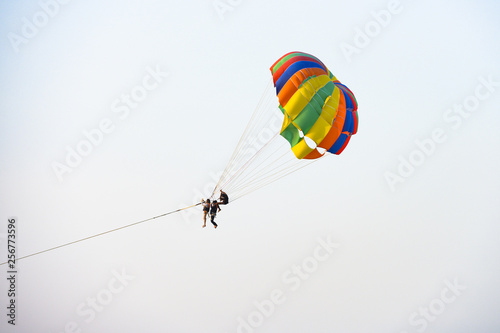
(320, 113)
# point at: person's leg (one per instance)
(212, 220)
(204, 219)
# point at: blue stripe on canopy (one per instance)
(349, 123)
(349, 105)
(348, 127)
(338, 144)
(292, 69)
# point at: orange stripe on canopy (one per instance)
(313, 155)
(338, 124)
(293, 84)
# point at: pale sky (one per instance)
(398, 234)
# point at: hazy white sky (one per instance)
(398, 234)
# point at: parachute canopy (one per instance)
(320, 113)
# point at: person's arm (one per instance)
(218, 207)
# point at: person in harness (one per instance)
(223, 199)
(214, 208)
(206, 208)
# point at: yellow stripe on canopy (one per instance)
(301, 149)
(302, 97)
(323, 124)
(331, 106)
(319, 130)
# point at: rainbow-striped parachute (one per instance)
(320, 112)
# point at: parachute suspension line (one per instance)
(252, 174)
(252, 138)
(263, 172)
(103, 233)
(277, 176)
(265, 99)
(269, 170)
(274, 172)
(239, 172)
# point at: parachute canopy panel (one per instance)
(314, 104)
